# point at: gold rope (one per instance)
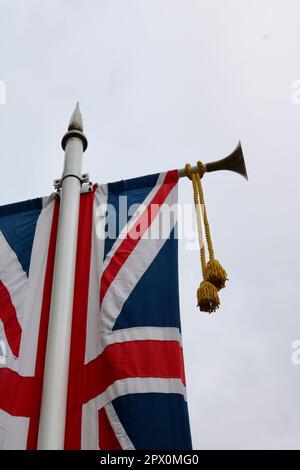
(214, 276)
(203, 208)
(192, 177)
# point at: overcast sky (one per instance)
(160, 83)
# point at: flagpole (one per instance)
(55, 385)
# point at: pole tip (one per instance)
(75, 129)
(76, 123)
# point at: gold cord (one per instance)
(205, 218)
(214, 276)
(197, 203)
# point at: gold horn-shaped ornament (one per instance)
(233, 162)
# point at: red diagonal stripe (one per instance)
(140, 226)
(18, 395)
(21, 396)
(150, 358)
(8, 315)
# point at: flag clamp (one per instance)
(86, 184)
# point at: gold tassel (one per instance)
(208, 298)
(214, 275)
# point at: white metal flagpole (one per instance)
(55, 387)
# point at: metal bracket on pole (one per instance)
(86, 184)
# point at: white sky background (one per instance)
(162, 82)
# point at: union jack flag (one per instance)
(126, 386)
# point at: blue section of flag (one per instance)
(17, 223)
(155, 421)
(155, 299)
(152, 421)
(135, 191)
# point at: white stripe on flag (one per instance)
(90, 430)
(140, 333)
(90, 426)
(132, 220)
(33, 306)
(92, 348)
(13, 432)
(16, 282)
(118, 428)
(132, 270)
(140, 385)
(16, 428)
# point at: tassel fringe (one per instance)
(215, 274)
(208, 298)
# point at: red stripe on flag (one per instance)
(107, 437)
(18, 395)
(21, 396)
(149, 358)
(80, 305)
(8, 315)
(43, 331)
(140, 227)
